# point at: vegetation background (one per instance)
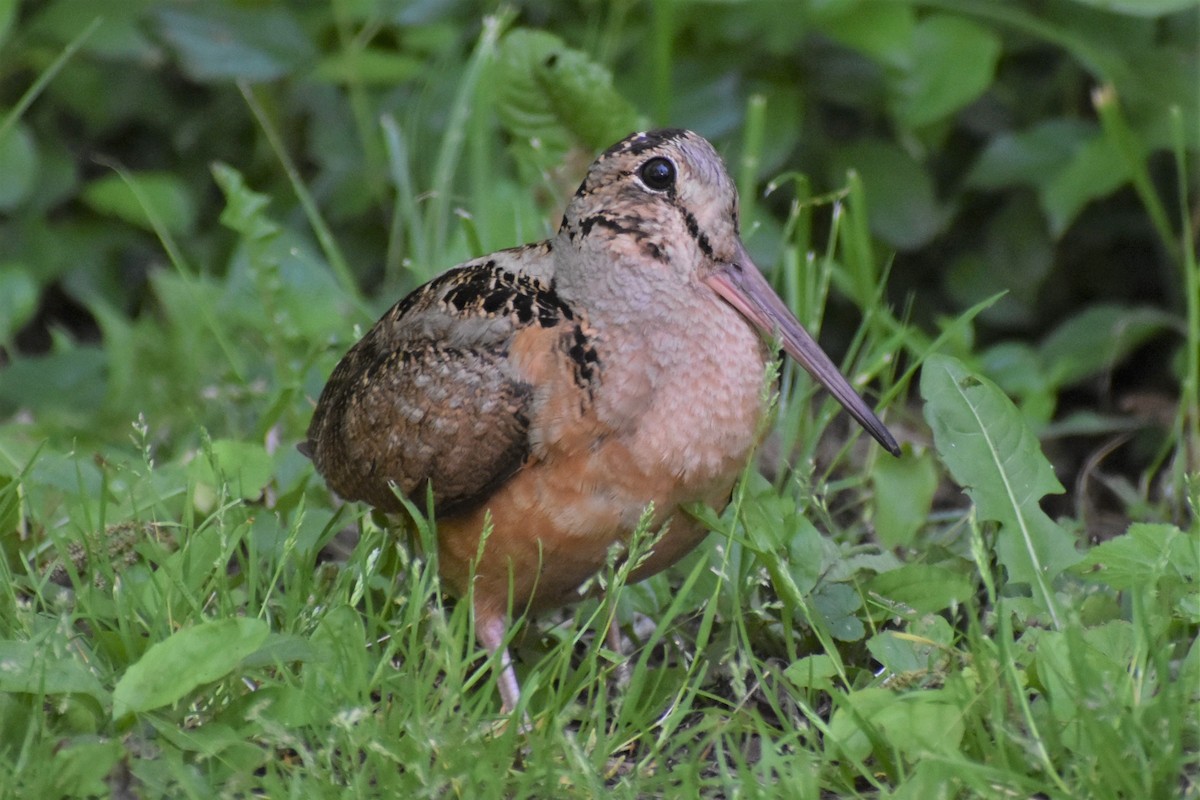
(989, 208)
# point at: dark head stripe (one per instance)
(693, 228)
(639, 143)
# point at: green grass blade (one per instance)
(329, 245)
(751, 158)
(454, 139)
(406, 219)
(43, 80)
(1189, 400)
(1126, 142)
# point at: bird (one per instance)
(557, 390)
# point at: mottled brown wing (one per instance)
(429, 394)
(420, 412)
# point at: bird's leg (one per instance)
(491, 628)
(617, 645)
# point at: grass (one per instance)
(185, 611)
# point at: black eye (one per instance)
(658, 174)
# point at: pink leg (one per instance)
(491, 628)
(617, 645)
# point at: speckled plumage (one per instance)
(429, 395)
(562, 387)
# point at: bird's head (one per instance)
(662, 200)
(657, 214)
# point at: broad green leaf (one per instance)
(287, 705)
(1094, 171)
(923, 587)
(120, 35)
(212, 739)
(838, 604)
(923, 722)
(18, 165)
(83, 765)
(1091, 423)
(813, 672)
(881, 30)
(849, 566)
(854, 716)
(161, 194)
(937, 778)
(1031, 156)
(244, 466)
(550, 97)
(71, 378)
(282, 648)
(18, 299)
(1093, 341)
(916, 723)
(954, 62)
(1164, 83)
(36, 667)
(1142, 556)
(984, 442)
(217, 42)
(901, 203)
(903, 495)
(66, 472)
(1016, 367)
(194, 656)
(1098, 339)
(782, 537)
(218, 740)
(923, 647)
(807, 554)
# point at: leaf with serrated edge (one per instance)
(1142, 556)
(983, 440)
(550, 97)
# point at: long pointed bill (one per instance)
(745, 288)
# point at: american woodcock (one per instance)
(563, 386)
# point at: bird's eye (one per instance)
(658, 174)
